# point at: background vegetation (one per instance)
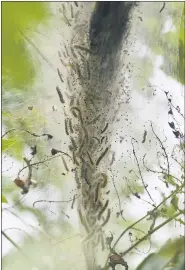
(42, 233)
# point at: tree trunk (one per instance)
(95, 50)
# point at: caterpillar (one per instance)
(107, 218)
(105, 128)
(65, 164)
(103, 209)
(102, 156)
(66, 128)
(60, 95)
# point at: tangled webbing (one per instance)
(91, 59)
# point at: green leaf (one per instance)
(169, 179)
(152, 262)
(3, 199)
(172, 247)
(169, 253)
(174, 202)
(168, 211)
(7, 143)
(6, 114)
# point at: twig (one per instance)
(135, 193)
(14, 244)
(151, 232)
(145, 187)
(46, 201)
(19, 230)
(55, 151)
(117, 196)
(36, 163)
(23, 221)
(136, 229)
(33, 134)
(78, 234)
(169, 100)
(163, 148)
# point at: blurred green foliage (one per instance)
(24, 119)
(17, 17)
(174, 60)
(7, 143)
(21, 119)
(182, 49)
(5, 114)
(17, 69)
(170, 45)
(3, 199)
(169, 257)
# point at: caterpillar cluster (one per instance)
(87, 179)
(85, 102)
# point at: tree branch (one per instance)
(138, 221)
(151, 232)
